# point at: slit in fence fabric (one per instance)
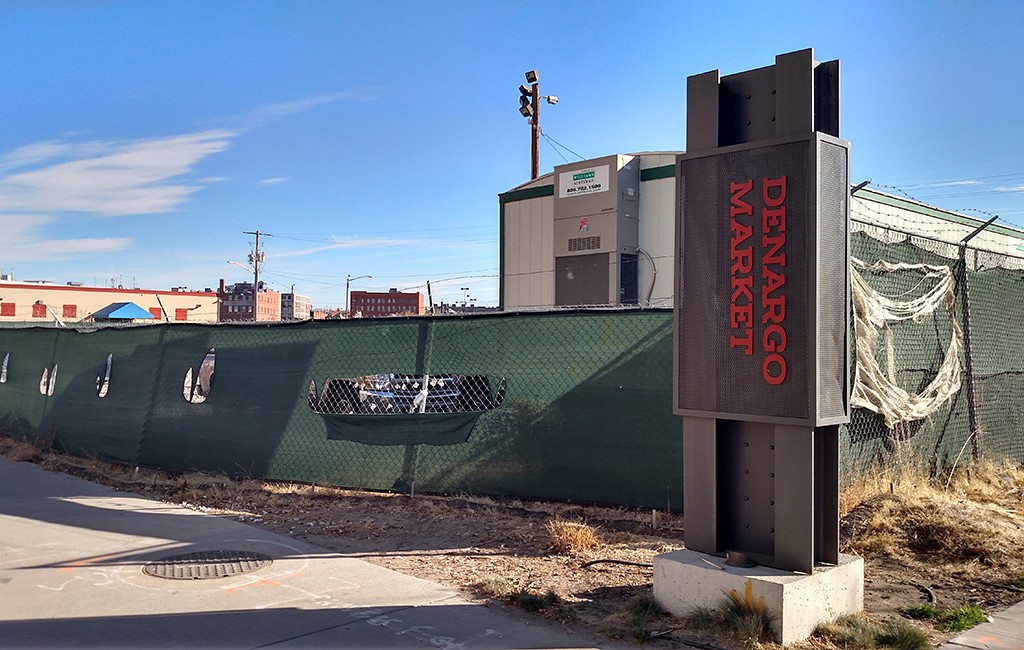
(197, 392)
(103, 378)
(404, 409)
(48, 381)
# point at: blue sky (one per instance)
(140, 140)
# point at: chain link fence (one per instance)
(566, 405)
(957, 360)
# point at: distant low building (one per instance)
(461, 308)
(372, 304)
(296, 307)
(36, 302)
(326, 313)
(240, 303)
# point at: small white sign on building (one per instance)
(583, 181)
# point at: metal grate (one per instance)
(591, 243)
(206, 565)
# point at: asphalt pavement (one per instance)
(83, 565)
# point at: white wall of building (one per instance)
(173, 306)
(657, 234)
(529, 280)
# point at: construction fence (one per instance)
(567, 405)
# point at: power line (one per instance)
(327, 238)
(550, 139)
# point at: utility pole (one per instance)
(535, 132)
(255, 259)
(529, 107)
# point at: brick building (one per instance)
(372, 304)
(237, 304)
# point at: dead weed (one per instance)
(572, 537)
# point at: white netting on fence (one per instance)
(876, 389)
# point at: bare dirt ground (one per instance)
(962, 545)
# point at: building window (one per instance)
(156, 312)
(38, 310)
(70, 311)
(180, 314)
(7, 309)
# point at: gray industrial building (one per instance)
(601, 232)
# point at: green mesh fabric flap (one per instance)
(405, 429)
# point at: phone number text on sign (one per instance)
(583, 181)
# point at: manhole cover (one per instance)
(205, 565)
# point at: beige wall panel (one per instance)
(657, 239)
(529, 240)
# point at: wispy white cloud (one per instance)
(108, 178)
(72, 175)
(956, 183)
(32, 154)
(264, 115)
(55, 249)
(1012, 188)
(277, 180)
(349, 244)
(22, 243)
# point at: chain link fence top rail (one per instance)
(566, 405)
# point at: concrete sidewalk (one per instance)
(1005, 632)
(71, 575)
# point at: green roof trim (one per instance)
(649, 174)
(657, 173)
(906, 204)
(526, 193)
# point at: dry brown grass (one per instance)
(973, 527)
(18, 450)
(963, 541)
(572, 537)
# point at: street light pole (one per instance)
(348, 283)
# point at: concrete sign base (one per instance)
(685, 580)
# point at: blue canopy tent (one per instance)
(122, 311)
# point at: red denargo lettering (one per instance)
(741, 252)
(773, 274)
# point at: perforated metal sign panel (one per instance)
(755, 225)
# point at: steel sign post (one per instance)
(761, 315)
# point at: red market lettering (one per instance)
(773, 272)
(741, 252)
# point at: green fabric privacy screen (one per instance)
(585, 406)
(584, 411)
